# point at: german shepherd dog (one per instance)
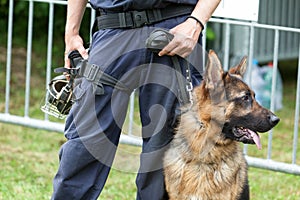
(205, 160)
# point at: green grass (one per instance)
(29, 161)
(29, 157)
(269, 185)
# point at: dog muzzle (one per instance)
(58, 97)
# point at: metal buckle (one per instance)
(139, 18)
(189, 88)
(74, 72)
(92, 73)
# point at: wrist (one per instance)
(71, 30)
(197, 20)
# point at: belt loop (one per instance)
(157, 14)
(122, 20)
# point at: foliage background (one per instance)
(40, 27)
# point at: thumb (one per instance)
(66, 62)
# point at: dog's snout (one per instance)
(273, 119)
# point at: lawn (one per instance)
(29, 161)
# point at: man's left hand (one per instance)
(186, 36)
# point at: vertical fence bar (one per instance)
(273, 91)
(251, 50)
(8, 56)
(28, 58)
(295, 140)
(249, 67)
(275, 69)
(49, 47)
(227, 46)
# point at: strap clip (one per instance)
(189, 89)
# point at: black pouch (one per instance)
(158, 39)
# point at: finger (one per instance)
(173, 49)
(168, 49)
(67, 75)
(67, 61)
(83, 52)
(164, 51)
(184, 49)
(174, 52)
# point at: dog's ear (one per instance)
(214, 71)
(241, 68)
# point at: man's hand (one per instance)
(187, 33)
(186, 36)
(74, 42)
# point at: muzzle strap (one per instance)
(94, 74)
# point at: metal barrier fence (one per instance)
(47, 124)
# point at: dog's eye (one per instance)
(246, 97)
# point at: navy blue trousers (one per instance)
(95, 121)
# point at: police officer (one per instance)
(118, 46)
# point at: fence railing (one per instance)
(248, 46)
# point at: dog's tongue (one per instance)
(256, 138)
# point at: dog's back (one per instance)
(205, 160)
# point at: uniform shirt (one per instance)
(126, 5)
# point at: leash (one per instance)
(156, 41)
(189, 84)
(184, 83)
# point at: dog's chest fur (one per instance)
(198, 168)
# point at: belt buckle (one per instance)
(139, 18)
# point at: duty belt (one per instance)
(136, 19)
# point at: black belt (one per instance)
(135, 19)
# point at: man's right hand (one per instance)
(74, 42)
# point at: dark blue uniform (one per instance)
(94, 124)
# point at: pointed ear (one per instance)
(241, 68)
(214, 71)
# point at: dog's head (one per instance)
(233, 104)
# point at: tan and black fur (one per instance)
(205, 160)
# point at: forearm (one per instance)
(204, 9)
(73, 41)
(75, 13)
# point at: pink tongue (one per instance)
(256, 138)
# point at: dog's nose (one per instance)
(273, 119)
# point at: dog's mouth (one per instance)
(247, 136)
